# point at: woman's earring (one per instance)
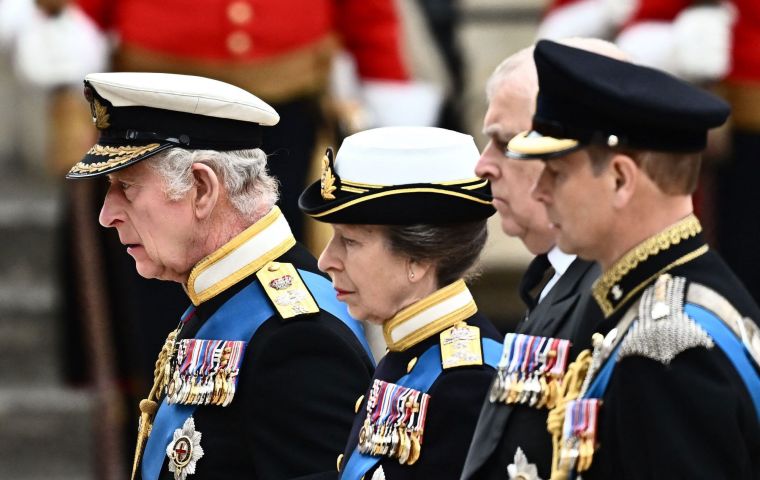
(411, 275)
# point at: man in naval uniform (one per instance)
(514, 433)
(672, 388)
(259, 379)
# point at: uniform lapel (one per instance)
(551, 314)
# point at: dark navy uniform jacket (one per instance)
(502, 428)
(298, 381)
(455, 395)
(691, 418)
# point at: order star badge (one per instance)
(185, 450)
(522, 469)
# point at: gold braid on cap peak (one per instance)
(120, 154)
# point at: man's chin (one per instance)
(148, 272)
(510, 228)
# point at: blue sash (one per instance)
(237, 319)
(323, 291)
(721, 334)
(421, 377)
(734, 349)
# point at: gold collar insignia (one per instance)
(442, 309)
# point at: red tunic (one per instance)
(745, 45)
(251, 31)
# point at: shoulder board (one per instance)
(286, 289)
(460, 346)
(662, 330)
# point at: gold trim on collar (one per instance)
(430, 328)
(254, 265)
(683, 230)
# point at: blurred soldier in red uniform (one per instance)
(281, 51)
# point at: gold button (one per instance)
(358, 404)
(239, 13)
(273, 267)
(337, 464)
(238, 42)
(411, 364)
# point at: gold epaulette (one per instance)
(460, 346)
(287, 290)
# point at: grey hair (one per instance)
(521, 62)
(453, 249)
(250, 188)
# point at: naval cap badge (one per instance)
(327, 180)
(184, 450)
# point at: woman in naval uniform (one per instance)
(409, 222)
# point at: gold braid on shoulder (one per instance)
(570, 389)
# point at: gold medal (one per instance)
(403, 454)
(414, 454)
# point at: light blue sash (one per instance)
(734, 349)
(238, 319)
(723, 337)
(421, 377)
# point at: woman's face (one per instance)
(368, 277)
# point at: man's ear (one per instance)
(206, 192)
(625, 174)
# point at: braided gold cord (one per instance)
(569, 390)
(149, 406)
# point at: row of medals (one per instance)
(579, 434)
(394, 437)
(535, 380)
(210, 381)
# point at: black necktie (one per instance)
(531, 279)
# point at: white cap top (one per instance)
(182, 93)
(404, 155)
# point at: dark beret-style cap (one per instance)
(585, 98)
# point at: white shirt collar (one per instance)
(560, 261)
